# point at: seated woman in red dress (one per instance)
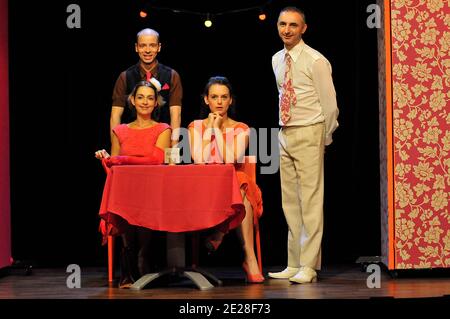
(220, 139)
(140, 142)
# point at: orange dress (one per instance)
(248, 184)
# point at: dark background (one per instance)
(61, 82)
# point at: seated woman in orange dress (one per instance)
(140, 142)
(220, 139)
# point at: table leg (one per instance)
(175, 250)
(176, 262)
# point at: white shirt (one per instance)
(313, 87)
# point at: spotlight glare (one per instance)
(143, 14)
(262, 16)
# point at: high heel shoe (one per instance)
(252, 278)
(129, 272)
(212, 243)
(126, 282)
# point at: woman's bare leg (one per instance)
(245, 231)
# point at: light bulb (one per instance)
(208, 22)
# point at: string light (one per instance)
(143, 14)
(208, 22)
(262, 15)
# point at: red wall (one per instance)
(5, 222)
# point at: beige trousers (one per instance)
(302, 184)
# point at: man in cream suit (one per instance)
(308, 117)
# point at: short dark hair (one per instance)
(204, 109)
(294, 9)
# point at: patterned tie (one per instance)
(288, 97)
(148, 76)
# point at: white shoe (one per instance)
(285, 274)
(305, 275)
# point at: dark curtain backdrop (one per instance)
(61, 82)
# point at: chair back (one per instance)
(105, 167)
(249, 167)
(110, 239)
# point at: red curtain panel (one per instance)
(5, 221)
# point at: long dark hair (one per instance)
(204, 109)
(156, 112)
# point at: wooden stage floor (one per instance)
(340, 290)
(335, 282)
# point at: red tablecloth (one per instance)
(171, 198)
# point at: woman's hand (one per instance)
(211, 118)
(218, 120)
(101, 154)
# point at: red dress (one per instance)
(252, 191)
(138, 142)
